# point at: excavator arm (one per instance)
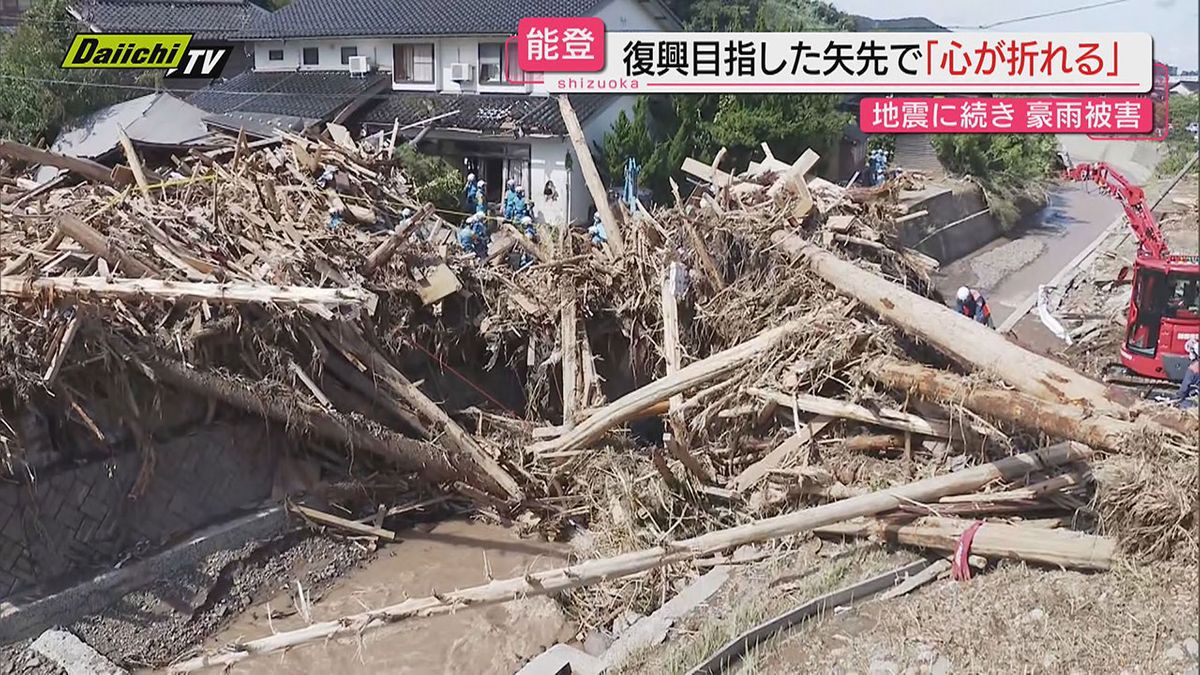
(1133, 200)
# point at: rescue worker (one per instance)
(971, 304)
(510, 194)
(480, 198)
(599, 236)
(526, 259)
(1190, 387)
(473, 237)
(469, 191)
(519, 209)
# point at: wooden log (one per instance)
(93, 241)
(86, 168)
(595, 571)
(135, 164)
(583, 155)
(775, 459)
(1020, 410)
(874, 443)
(973, 344)
(408, 454)
(225, 293)
(695, 374)
(1057, 548)
(891, 419)
(384, 252)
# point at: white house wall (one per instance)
(378, 51)
(547, 162)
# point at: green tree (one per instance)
(39, 96)
(434, 179)
(1181, 143)
(1012, 168)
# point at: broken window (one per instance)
(413, 63)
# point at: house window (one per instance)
(491, 65)
(275, 55)
(512, 66)
(312, 56)
(413, 63)
(347, 52)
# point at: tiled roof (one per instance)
(309, 94)
(362, 18)
(207, 19)
(485, 113)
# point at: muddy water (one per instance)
(454, 554)
(1009, 270)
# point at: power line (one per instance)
(1044, 15)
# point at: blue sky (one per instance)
(1173, 23)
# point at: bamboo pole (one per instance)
(596, 571)
(971, 343)
(227, 293)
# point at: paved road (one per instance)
(1010, 269)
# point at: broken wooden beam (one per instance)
(339, 523)
(660, 390)
(234, 292)
(86, 168)
(590, 572)
(776, 458)
(891, 419)
(135, 164)
(384, 252)
(96, 243)
(595, 186)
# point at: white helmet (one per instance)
(406, 213)
(963, 293)
(520, 189)
(481, 183)
(527, 220)
(470, 177)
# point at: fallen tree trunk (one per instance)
(384, 252)
(408, 454)
(1020, 410)
(86, 168)
(228, 293)
(1059, 548)
(971, 343)
(596, 571)
(663, 389)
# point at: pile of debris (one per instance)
(796, 352)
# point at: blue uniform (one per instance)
(509, 197)
(470, 191)
(518, 208)
(1190, 385)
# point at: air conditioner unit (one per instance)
(359, 65)
(461, 72)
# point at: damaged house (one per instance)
(435, 71)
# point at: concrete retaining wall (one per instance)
(957, 222)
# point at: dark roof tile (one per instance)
(207, 19)
(496, 114)
(364, 18)
(308, 94)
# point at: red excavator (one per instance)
(1164, 310)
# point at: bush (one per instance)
(1012, 169)
(433, 179)
(1181, 144)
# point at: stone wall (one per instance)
(87, 518)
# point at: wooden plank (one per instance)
(775, 459)
(93, 171)
(583, 155)
(436, 283)
(343, 523)
(227, 293)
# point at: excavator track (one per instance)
(1148, 387)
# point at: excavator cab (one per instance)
(1164, 313)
